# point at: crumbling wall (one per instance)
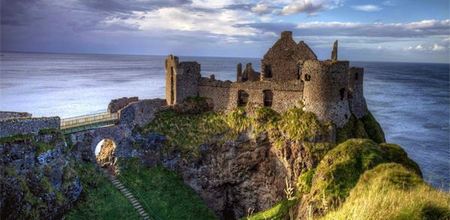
(325, 90)
(11, 115)
(224, 94)
(116, 104)
(141, 112)
(27, 125)
(283, 61)
(358, 105)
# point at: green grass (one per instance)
(278, 211)
(100, 199)
(390, 191)
(162, 192)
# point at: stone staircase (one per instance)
(128, 195)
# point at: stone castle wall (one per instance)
(358, 105)
(27, 125)
(225, 93)
(11, 115)
(325, 92)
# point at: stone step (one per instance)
(134, 202)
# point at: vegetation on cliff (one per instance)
(186, 132)
(365, 127)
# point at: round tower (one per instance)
(356, 99)
(325, 90)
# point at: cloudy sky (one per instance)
(383, 30)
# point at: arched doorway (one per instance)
(105, 153)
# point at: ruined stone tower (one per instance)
(181, 80)
(325, 90)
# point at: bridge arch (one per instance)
(105, 153)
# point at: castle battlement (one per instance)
(291, 76)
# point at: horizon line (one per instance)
(121, 54)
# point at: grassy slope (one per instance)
(163, 193)
(100, 199)
(389, 191)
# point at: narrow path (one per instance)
(127, 194)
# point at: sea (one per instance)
(410, 100)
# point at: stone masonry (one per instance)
(291, 76)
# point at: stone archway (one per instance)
(105, 153)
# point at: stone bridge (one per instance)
(86, 132)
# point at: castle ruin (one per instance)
(291, 76)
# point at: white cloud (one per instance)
(367, 8)
(309, 6)
(412, 29)
(421, 47)
(219, 22)
(260, 8)
(437, 47)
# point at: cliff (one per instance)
(259, 164)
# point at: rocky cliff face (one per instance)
(37, 180)
(265, 165)
(239, 163)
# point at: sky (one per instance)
(367, 30)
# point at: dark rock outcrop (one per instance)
(37, 179)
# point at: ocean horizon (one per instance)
(410, 100)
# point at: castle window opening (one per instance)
(242, 98)
(299, 71)
(356, 76)
(268, 98)
(267, 71)
(307, 77)
(342, 93)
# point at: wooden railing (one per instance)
(100, 119)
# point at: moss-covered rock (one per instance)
(390, 191)
(36, 179)
(373, 128)
(394, 153)
(365, 127)
(340, 169)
